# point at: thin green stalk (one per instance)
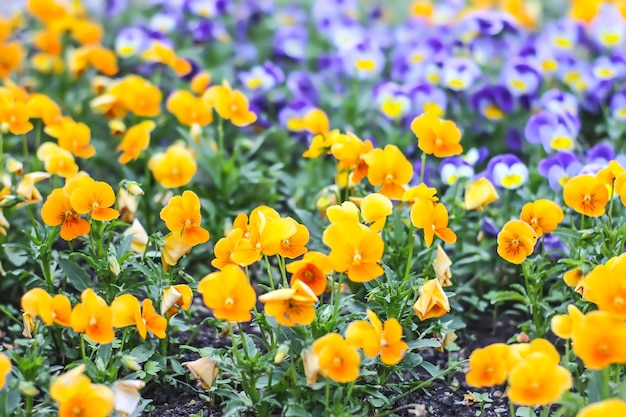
(545, 412)
(606, 379)
(220, 136)
(423, 167)
(327, 396)
(283, 271)
(511, 409)
(29, 405)
(269, 271)
(6, 312)
(582, 222)
(611, 198)
(409, 258)
(337, 297)
(82, 348)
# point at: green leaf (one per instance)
(501, 296)
(77, 275)
(152, 367)
(142, 352)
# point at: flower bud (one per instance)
(28, 388)
(130, 363)
(132, 187)
(114, 265)
(281, 353)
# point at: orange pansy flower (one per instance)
(225, 248)
(189, 109)
(479, 194)
(604, 286)
(77, 396)
(336, 358)
(73, 137)
(610, 407)
(57, 160)
(228, 293)
(14, 118)
(136, 140)
(354, 249)
(126, 312)
(312, 269)
(174, 168)
(182, 216)
(433, 219)
(563, 325)
(599, 340)
(432, 302)
(38, 303)
(230, 104)
(58, 210)
(266, 231)
(436, 136)
(291, 306)
(200, 82)
(516, 241)
(586, 195)
(43, 107)
(375, 208)
(140, 96)
(294, 245)
(316, 122)
(96, 200)
(487, 366)
(538, 380)
(389, 168)
(94, 317)
(375, 337)
(176, 297)
(5, 369)
(86, 32)
(11, 54)
(542, 215)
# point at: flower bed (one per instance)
(316, 208)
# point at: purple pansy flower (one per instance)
(607, 27)
(427, 98)
(559, 168)
(556, 100)
(513, 140)
(453, 168)
(302, 86)
(521, 78)
(392, 100)
(493, 102)
(292, 114)
(554, 130)
(488, 227)
(291, 42)
(365, 61)
(618, 105)
(131, 41)
(206, 8)
(551, 245)
(262, 77)
(459, 73)
(507, 171)
(606, 68)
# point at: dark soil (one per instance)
(443, 398)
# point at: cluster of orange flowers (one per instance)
(58, 19)
(77, 395)
(336, 358)
(80, 195)
(96, 319)
(532, 371)
(517, 239)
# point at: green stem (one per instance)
(82, 348)
(511, 409)
(327, 396)
(409, 258)
(29, 405)
(606, 378)
(545, 412)
(269, 271)
(337, 297)
(423, 167)
(283, 271)
(582, 222)
(220, 136)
